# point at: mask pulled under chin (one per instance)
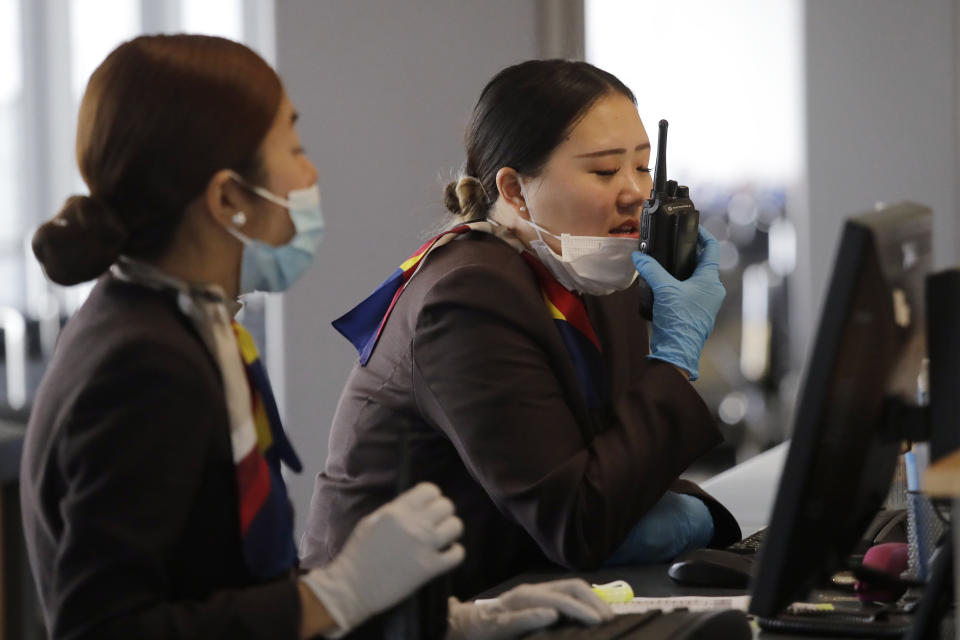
(593, 265)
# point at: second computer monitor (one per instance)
(865, 359)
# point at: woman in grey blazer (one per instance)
(508, 363)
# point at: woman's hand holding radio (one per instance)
(683, 310)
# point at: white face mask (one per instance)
(595, 265)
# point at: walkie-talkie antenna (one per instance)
(660, 173)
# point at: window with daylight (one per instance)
(728, 78)
(48, 49)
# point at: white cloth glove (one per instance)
(524, 609)
(391, 553)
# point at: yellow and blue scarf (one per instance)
(363, 324)
(266, 516)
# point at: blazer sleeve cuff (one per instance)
(726, 531)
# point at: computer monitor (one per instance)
(943, 336)
(866, 358)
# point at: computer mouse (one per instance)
(712, 568)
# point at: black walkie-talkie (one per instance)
(669, 225)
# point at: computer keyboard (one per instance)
(730, 624)
(751, 544)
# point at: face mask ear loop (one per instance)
(243, 238)
(533, 221)
(536, 228)
(260, 191)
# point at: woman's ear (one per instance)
(224, 199)
(511, 191)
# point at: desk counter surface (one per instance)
(648, 581)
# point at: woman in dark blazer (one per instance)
(510, 354)
(153, 500)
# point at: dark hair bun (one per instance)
(450, 199)
(466, 198)
(81, 242)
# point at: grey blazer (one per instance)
(472, 368)
(128, 486)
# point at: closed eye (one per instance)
(606, 172)
(645, 169)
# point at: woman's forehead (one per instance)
(611, 120)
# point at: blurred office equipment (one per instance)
(857, 404)
(747, 375)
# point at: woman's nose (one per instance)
(311, 170)
(635, 189)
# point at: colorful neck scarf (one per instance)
(570, 316)
(363, 324)
(257, 438)
(266, 515)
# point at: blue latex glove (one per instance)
(676, 523)
(683, 310)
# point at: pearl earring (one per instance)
(522, 208)
(239, 218)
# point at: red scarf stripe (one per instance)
(253, 480)
(424, 249)
(567, 302)
(393, 302)
(407, 273)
